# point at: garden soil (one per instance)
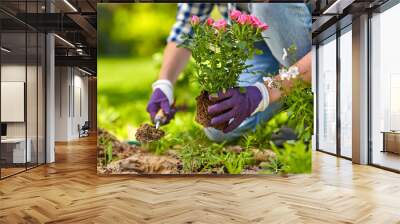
(135, 160)
(148, 133)
(129, 159)
(202, 116)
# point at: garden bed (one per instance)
(129, 159)
(186, 150)
(178, 159)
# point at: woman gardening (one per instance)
(233, 56)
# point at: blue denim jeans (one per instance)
(288, 24)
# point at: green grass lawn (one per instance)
(126, 73)
(123, 88)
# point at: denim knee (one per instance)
(219, 136)
(216, 135)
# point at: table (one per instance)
(17, 151)
(391, 141)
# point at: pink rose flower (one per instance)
(235, 14)
(255, 21)
(242, 19)
(249, 20)
(210, 21)
(220, 24)
(195, 20)
(263, 26)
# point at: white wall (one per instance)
(62, 81)
(71, 94)
(80, 110)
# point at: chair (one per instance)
(84, 130)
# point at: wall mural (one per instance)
(204, 89)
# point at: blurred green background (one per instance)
(130, 29)
(131, 39)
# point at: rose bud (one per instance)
(242, 19)
(210, 21)
(235, 14)
(195, 20)
(263, 26)
(220, 24)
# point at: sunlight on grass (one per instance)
(123, 90)
(117, 73)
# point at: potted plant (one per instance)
(220, 51)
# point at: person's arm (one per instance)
(176, 58)
(304, 66)
(234, 106)
(174, 61)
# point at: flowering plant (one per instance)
(220, 50)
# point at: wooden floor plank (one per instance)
(69, 191)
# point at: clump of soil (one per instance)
(148, 133)
(234, 148)
(262, 155)
(202, 116)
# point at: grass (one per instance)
(124, 87)
(123, 93)
(126, 73)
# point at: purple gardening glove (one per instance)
(160, 100)
(234, 104)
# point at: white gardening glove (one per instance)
(265, 97)
(161, 98)
(166, 87)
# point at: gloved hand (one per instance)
(237, 105)
(161, 98)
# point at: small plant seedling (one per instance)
(107, 149)
(235, 163)
(295, 157)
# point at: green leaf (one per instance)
(259, 52)
(242, 45)
(242, 90)
(214, 95)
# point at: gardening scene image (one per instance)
(204, 88)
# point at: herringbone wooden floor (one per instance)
(69, 191)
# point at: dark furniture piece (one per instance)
(391, 141)
(3, 129)
(84, 130)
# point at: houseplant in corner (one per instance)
(220, 51)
